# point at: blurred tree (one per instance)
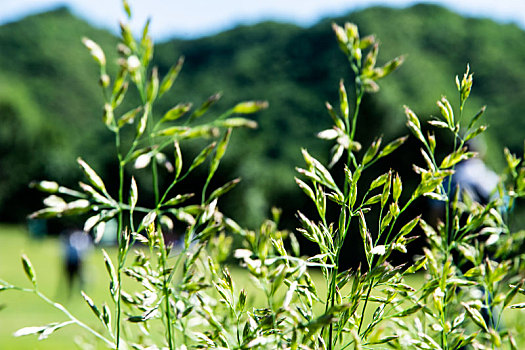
(49, 95)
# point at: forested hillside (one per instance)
(50, 104)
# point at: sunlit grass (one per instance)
(24, 309)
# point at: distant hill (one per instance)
(50, 104)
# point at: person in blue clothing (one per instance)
(76, 244)
(474, 179)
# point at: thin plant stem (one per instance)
(356, 112)
(370, 286)
(165, 291)
(118, 311)
(72, 318)
(343, 229)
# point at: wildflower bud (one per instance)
(148, 50)
(28, 269)
(358, 54)
(142, 161)
(343, 100)
(342, 38)
(95, 51)
(370, 86)
(123, 49)
(108, 114)
(351, 31)
(438, 297)
(153, 85)
(79, 206)
(328, 134)
(446, 111)
(166, 222)
(104, 80)
(239, 122)
(432, 141)
(392, 65)
(46, 186)
(54, 201)
(412, 117)
(379, 250)
(168, 80)
(163, 160)
(367, 41)
(133, 63)
(249, 107)
(465, 86)
(370, 60)
(141, 126)
(340, 34)
(242, 299)
(127, 37)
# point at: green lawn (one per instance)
(19, 310)
(25, 309)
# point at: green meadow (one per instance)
(18, 310)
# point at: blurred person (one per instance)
(76, 243)
(475, 180)
(471, 177)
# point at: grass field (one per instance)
(25, 309)
(19, 310)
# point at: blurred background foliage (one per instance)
(51, 107)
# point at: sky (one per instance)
(194, 18)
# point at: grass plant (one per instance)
(163, 296)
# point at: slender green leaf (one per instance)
(201, 157)
(173, 131)
(397, 187)
(386, 190)
(28, 269)
(512, 293)
(476, 117)
(223, 189)
(109, 266)
(392, 146)
(343, 100)
(456, 157)
(141, 126)
(180, 198)
(373, 200)
(153, 86)
(91, 304)
(29, 331)
(128, 117)
(219, 153)
(92, 176)
(518, 306)
(237, 123)
(476, 316)
(408, 227)
(306, 189)
(176, 112)
(249, 107)
(476, 132)
(205, 106)
(133, 194)
(95, 50)
(169, 79)
(438, 124)
(446, 111)
(371, 151)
